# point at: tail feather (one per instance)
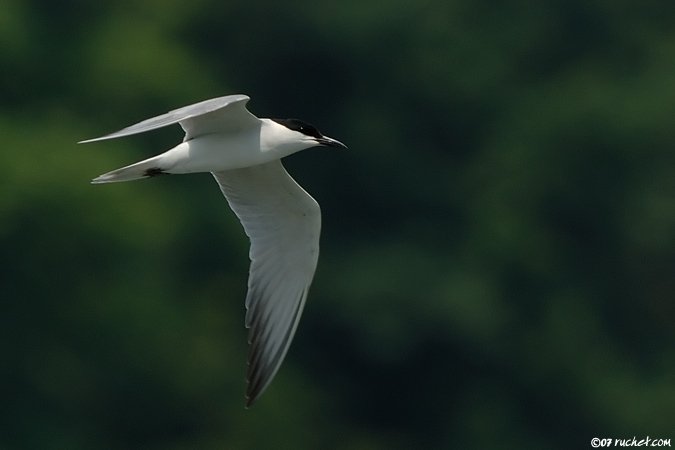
(144, 169)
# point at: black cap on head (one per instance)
(300, 126)
(309, 130)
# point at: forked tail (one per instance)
(144, 169)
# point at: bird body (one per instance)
(282, 221)
(215, 152)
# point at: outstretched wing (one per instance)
(283, 222)
(220, 114)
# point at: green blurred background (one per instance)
(498, 249)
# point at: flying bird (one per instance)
(282, 221)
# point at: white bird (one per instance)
(282, 221)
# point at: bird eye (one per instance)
(299, 125)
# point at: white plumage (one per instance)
(282, 221)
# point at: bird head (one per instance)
(309, 134)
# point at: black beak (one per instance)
(330, 142)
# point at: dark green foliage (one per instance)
(498, 250)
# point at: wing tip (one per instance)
(86, 141)
(253, 393)
(102, 138)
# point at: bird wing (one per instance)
(220, 114)
(283, 223)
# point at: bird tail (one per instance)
(144, 169)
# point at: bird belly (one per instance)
(217, 152)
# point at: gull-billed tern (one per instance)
(282, 221)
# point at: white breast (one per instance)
(218, 152)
